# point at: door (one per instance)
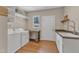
(48, 28)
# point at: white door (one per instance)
(48, 28)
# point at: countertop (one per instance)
(67, 34)
(12, 32)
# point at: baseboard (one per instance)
(48, 39)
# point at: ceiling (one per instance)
(37, 8)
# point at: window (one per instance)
(36, 19)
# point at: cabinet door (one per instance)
(70, 45)
(59, 42)
(17, 40)
(14, 42)
(11, 43)
(25, 38)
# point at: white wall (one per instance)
(58, 12)
(17, 21)
(73, 13)
(21, 23)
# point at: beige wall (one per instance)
(73, 12)
(58, 12)
(21, 23)
(3, 34)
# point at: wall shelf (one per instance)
(64, 21)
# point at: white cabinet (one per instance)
(25, 37)
(71, 45)
(59, 42)
(17, 40)
(11, 43)
(14, 42)
(67, 42)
